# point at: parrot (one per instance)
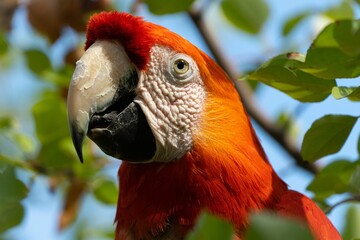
(147, 96)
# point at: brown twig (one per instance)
(134, 6)
(355, 198)
(277, 133)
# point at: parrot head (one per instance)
(139, 90)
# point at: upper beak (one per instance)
(95, 86)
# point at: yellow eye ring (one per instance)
(181, 66)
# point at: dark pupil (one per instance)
(180, 64)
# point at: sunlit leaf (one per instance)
(247, 15)
(267, 226)
(24, 142)
(342, 11)
(105, 191)
(351, 229)
(170, 6)
(60, 77)
(326, 136)
(50, 118)
(284, 74)
(335, 53)
(209, 227)
(293, 22)
(37, 61)
(352, 93)
(332, 179)
(347, 35)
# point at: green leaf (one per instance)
(267, 226)
(11, 214)
(352, 93)
(24, 142)
(37, 61)
(347, 35)
(247, 15)
(209, 227)
(11, 188)
(50, 118)
(3, 44)
(6, 122)
(293, 22)
(351, 229)
(326, 136)
(355, 180)
(161, 7)
(105, 191)
(335, 53)
(52, 155)
(12, 191)
(60, 77)
(283, 73)
(342, 11)
(332, 179)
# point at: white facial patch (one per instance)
(171, 94)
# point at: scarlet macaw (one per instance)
(147, 96)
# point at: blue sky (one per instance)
(42, 207)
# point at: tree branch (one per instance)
(355, 198)
(278, 134)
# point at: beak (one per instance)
(100, 104)
(94, 85)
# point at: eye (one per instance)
(181, 66)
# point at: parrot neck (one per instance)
(155, 196)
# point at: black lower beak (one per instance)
(125, 135)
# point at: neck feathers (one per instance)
(222, 180)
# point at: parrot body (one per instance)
(147, 96)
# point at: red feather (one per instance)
(130, 31)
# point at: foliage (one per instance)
(313, 76)
(352, 230)
(211, 228)
(247, 15)
(328, 134)
(12, 191)
(267, 226)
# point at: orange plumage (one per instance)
(226, 172)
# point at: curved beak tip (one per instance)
(77, 139)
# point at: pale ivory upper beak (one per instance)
(94, 85)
